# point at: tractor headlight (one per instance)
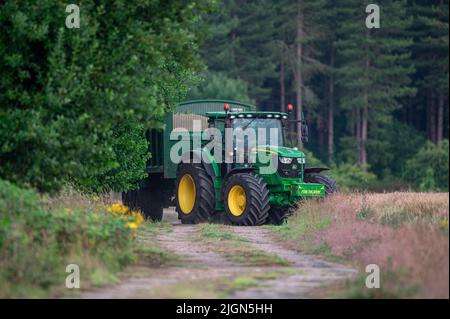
(286, 160)
(301, 160)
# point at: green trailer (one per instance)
(235, 184)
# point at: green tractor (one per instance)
(242, 189)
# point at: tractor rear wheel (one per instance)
(194, 195)
(246, 200)
(278, 215)
(328, 181)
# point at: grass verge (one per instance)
(235, 248)
(405, 234)
(40, 236)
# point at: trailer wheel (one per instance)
(246, 200)
(194, 195)
(147, 200)
(277, 215)
(328, 181)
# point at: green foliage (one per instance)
(219, 86)
(428, 169)
(348, 176)
(391, 146)
(130, 151)
(352, 176)
(38, 241)
(312, 160)
(67, 95)
(240, 44)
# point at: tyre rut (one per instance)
(201, 264)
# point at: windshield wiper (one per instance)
(246, 125)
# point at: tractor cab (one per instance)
(260, 123)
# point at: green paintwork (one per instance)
(283, 191)
(283, 151)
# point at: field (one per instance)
(405, 234)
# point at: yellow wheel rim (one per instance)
(237, 200)
(186, 194)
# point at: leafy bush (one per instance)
(66, 94)
(429, 168)
(352, 176)
(38, 238)
(130, 155)
(312, 160)
(391, 145)
(347, 176)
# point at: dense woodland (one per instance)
(372, 97)
(75, 103)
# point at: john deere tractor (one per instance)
(241, 187)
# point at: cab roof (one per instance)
(244, 113)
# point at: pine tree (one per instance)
(299, 23)
(241, 45)
(430, 32)
(374, 69)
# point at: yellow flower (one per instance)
(118, 208)
(132, 225)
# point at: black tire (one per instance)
(278, 215)
(204, 204)
(147, 200)
(257, 205)
(328, 181)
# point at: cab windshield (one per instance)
(256, 124)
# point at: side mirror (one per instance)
(305, 132)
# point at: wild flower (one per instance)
(133, 218)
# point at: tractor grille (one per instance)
(293, 170)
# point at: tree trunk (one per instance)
(282, 85)
(364, 129)
(358, 131)
(431, 118)
(417, 117)
(320, 131)
(298, 75)
(365, 116)
(440, 119)
(331, 108)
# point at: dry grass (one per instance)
(403, 233)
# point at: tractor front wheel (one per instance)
(278, 215)
(246, 200)
(328, 181)
(194, 195)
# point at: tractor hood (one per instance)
(281, 151)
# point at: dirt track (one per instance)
(203, 272)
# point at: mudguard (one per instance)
(310, 170)
(196, 157)
(238, 170)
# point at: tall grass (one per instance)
(39, 236)
(404, 233)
